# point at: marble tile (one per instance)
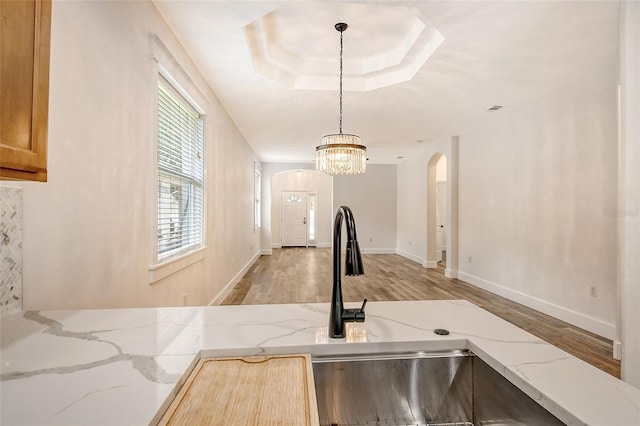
(10, 250)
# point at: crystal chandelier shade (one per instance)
(341, 153)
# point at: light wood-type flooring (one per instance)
(299, 275)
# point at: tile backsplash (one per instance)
(10, 250)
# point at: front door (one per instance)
(294, 219)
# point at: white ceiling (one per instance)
(493, 53)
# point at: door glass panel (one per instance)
(312, 217)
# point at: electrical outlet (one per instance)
(184, 299)
(370, 239)
(594, 291)
(409, 243)
(469, 259)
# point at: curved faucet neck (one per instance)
(354, 267)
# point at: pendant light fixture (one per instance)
(341, 153)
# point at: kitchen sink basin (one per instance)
(420, 388)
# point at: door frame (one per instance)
(306, 218)
(451, 219)
(304, 179)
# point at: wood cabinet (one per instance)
(256, 390)
(25, 31)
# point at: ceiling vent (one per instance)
(495, 108)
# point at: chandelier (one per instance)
(341, 153)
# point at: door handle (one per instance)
(305, 221)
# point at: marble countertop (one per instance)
(123, 366)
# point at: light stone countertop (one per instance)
(123, 366)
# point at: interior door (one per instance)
(294, 219)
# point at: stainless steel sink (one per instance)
(420, 388)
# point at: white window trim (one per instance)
(164, 63)
(171, 266)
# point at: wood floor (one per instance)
(298, 275)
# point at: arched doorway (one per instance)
(449, 214)
(438, 207)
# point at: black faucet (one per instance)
(353, 265)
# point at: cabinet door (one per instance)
(25, 28)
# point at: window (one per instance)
(312, 217)
(294, 199)
(180, 174)
(257, 188)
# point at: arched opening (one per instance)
(438, 211)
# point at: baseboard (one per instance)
(410, 256)
(312, 245)
(378, 251)
(235, 280)
(585, 322)
(266, 252)
(328, 245)
(617, 350)
(449, 273)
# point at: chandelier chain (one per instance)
(339, 153)
(340, 82)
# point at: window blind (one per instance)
(180, 174)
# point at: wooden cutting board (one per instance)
(262, 390)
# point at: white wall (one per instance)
(629, 208)
(308, 181)
(536, 186)
(372, 198)
(87, 231)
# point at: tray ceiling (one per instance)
(414, 71)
